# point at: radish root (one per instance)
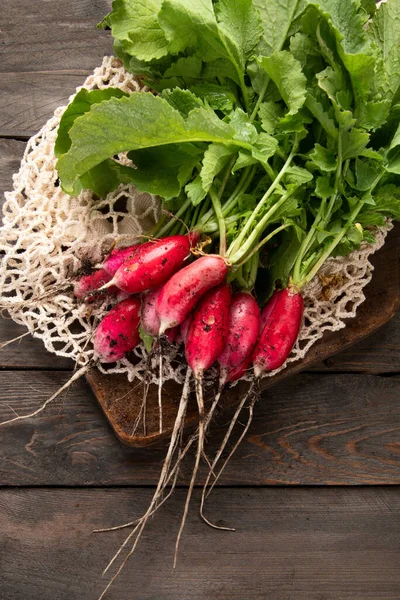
(200, 447)
(157, 499)
(66, 385)
(253, 397)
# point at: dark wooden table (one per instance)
(313, 491)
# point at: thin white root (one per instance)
(155, 502)
(74, 377)
(200, 447)
(227, 436)
(136, 521)
(237, 444)
(160, 386)
(16, 339)
(169, 475)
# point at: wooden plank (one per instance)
(27, 353)
(289, 544)
(378, 353)
(11, 152)
(310, 429)
(46, 50)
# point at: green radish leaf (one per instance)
(183, 101)
(369, 237)
(164, 170)
(347, 21)
(243, 160)
(216, 157)
(288, 210)
(187, 67)
(384, 32)
(192, 25)
(373, 114)
(244, 129)
(240, 28)
(265, 147)
(276, 19)
(270, 114)
(318, 112)
(136, 27)
(367, 172)
(369, 6)
(195, 191)
(80, 105)
(298, 175)
(387, 200)
(285, 71)
(282, 260)
(246, 202)
(106, 177)
(132, 123)
(215, 96)
(323, 158)
(371, 219)
(354, 143)
(355, 235)
(395, 143)
(323, 188)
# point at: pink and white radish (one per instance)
(185, 327)
(208, 329)
(205, 341)
(149, 318)
(117, 257)
(244, 327)
(91, 283)
(152, 264)
(284, 313)
(173, 335)
(182, 292)
(118, 332)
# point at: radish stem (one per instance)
(236, 245)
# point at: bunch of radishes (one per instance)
(166, 290)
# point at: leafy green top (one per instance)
(273, 118)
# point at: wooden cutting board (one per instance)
(121, 400)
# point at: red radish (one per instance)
(149, 317)
(152, 264)
(182, 292)
(205, 341)
(185, 327)
(244, 327)
(172, 334)
(208, 330)
(89, 283)
(237, 372)
(118, 332)
(280, 331)
(194, 238)
(268, 308)
(117, 257)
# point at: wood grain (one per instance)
(315, 544)
(27, 353)
(310, 429)
(47, 49)
(11, 153)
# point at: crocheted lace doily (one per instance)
(46, 235)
